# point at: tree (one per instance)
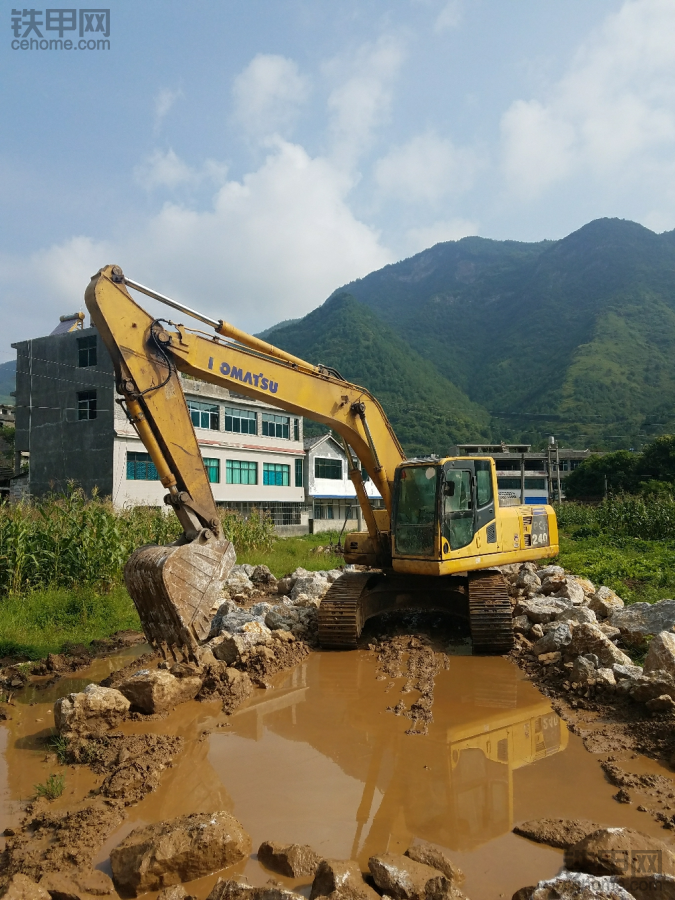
(588, 481)
(658, 460)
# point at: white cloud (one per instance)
(268, 95)
(612, 115)
(361, 102)
(418, 239)
(449, 17)
(166, 170)
(425, 170)
(164, 100)
(271, 246)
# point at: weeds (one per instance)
(59, 745)
(52, 788)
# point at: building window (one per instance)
(240, 421)
(323, 511)
(298, 473)
(328, 468)
(575, 463)
(364, 475)
(276, 426)
(513, 484)
(296, 429)
(140, 467)
(239, 471)
(86, 405)
(86, 351)
(204, 415)
(212, 467)
(276, 474)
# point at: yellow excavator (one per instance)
(434, 545)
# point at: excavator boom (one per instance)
(175, 588)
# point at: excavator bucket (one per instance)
(176, 590)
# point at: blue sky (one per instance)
(248, 158)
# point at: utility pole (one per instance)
(557, 470)
(522, 479)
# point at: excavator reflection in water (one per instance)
(452, 787)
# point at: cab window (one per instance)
(458, 527)
(483, 482)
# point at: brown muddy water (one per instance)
(319, 759)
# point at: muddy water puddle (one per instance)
(321, 758)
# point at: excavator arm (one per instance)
(175, 588)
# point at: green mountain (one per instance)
(428, 412)
(573, 337)
(7, 381)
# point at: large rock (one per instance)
(337, 878)
(95, 706)
(261, 575)
(239, 889)
(577, 615)
(292, 860)
(648, 886)
(21, 887)
(309, 588)
(552, 584)
(404, 879)
(604, 602)
(550, 571)
(555, 639)
(436, 859)
(232, 648)
(588, 638)
(579, 886)
(571, 591)
(661, 654)
(77, 885)
(165, 853)
(528, 581)
(639, 620)
(541, 610)
(618, 851)
(582, 670)
(561, 833)
(155, 690)
(649, 687)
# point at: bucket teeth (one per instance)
(175, 589)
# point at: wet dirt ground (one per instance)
(355, 753)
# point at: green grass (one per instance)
(289, 553)
(43, 621)
(52, 788)
(637, 570)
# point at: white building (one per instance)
(329, 490)
(253, 453)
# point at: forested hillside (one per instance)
(574, 337)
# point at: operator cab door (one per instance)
(467, 503)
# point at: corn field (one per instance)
(70, 540)
(648, 518)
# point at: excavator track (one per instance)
(340, 616)
(490, 613)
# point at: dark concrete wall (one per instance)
(63, 448)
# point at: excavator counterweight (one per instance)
(435, 544)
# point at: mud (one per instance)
(316, 757)
(414, 660)
(622, 736)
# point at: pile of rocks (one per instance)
(183, 849)
(236, 630)
(605, 863)
(565, 623)
(257, 638)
